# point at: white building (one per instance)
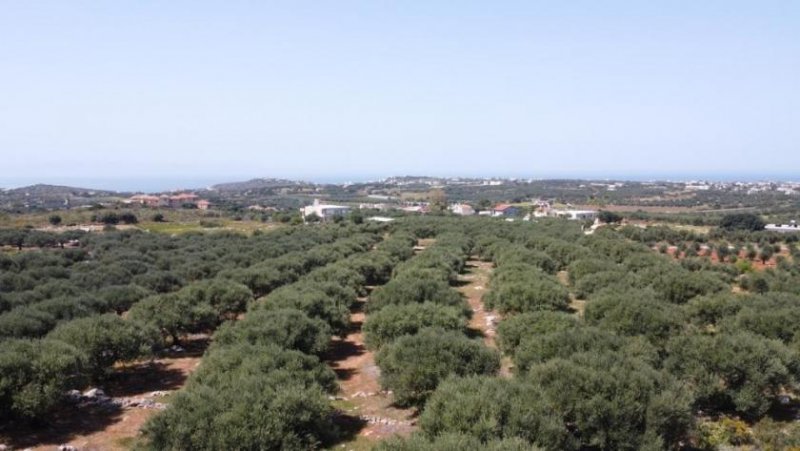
(462, 209)
(324, 211)
(576, 215)
(783, 228)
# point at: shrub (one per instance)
(394, 321)
(105, 340)
(452, 442)
(287, 328)
(414, 365)
(35, 374)
(490, 408)
(512, 330)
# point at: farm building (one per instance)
(577, 215)
(324, 211)
(505, 210)
(783, 228)
(462, 209)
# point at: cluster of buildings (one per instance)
(170, 201)
(541, 209)
(788, 188)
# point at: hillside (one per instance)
(257, 184)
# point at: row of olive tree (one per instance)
(262, 384)
(417, 322)
(84, 345)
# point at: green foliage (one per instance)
(722, 433)
(738, 371)
(611, 401)
(35, 374)
(287, 328)
(251, 408)
(711, 310)
(742, 221)
(510, 254)
(512, 330)
(230, 359)
(120, 298)
(417, 287)
(634, 313)
(413, 365)
(175, 315)
(394, 321)
(489, 409)
(563, 343)
(105, 340)
(313, 302)
(518, 287)
(226, 297)
(771, 435)
(452, 442)
(609, 217)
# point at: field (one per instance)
(427, 333)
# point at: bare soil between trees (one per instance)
(364, 408)
(370, 412)
(474, 283)
(105, 426)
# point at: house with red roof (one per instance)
(505, 210)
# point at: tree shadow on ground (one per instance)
(474, 333)
(339, 351)
(460, 283)
(144, 378)
(349, 427)
(65, 423)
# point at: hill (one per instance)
(257, 184)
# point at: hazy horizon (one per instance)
(210, 91)
(162, 184)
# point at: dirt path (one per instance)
(473, 287)
(577, 305)
(483, 322)
(135, 393)
(366, 409)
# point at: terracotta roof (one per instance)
(502, 207)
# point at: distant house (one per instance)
(145, 199)
(505, 210)
(180, 200)
(576, 215)
(164, 200)
(415, 209)
(462, 209)
(324, 211)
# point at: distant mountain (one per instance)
(58, 191)
(257, 184)
(54, 196)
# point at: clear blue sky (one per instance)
(125, 90)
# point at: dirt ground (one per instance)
(365, 409)
(577, 305)
(484, 322)
(474, 284)
(107, 427)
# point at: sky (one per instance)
(119, 93)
